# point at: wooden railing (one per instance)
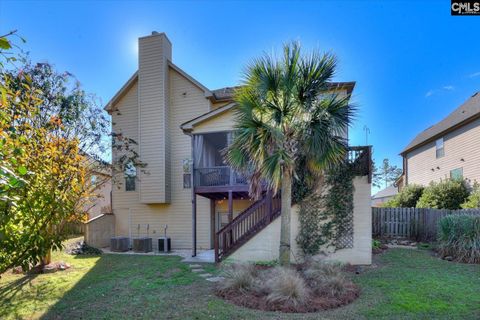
(360, 158)
(246, 225)
(218, 176)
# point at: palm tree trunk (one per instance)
(284, 255)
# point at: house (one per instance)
(187, 188)
(448, 149)
(384, 195)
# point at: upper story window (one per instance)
(439, 150)
(130, 172)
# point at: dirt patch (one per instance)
(314, 303)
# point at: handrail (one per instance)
(248, 223)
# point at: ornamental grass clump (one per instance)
(286, 288)
(238, 278)
(459, 238)
(308, 288)
(329, 279)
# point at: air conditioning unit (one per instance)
(164, 244)
(142, 244)
(119, 244)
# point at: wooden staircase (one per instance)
(246, 225)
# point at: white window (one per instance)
(130, 175)
(439, 150)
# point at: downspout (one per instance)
(194, 205)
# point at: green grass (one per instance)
(408, 284)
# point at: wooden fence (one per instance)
(411, 223)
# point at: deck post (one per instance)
(230, 214)
(194, 205)
(268, 204)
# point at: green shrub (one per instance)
(376, 244)
(446, 194)
(459, 237)
(406, 198)
(473, 200)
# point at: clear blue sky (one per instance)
(413, 62)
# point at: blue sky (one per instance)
(412, 61)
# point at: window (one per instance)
(187, 173)
(440, 151)
(130, 176)
(456, 174)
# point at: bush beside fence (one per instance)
(412, 223)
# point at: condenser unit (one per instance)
(119, 244)
(142, 244)
(164, 244)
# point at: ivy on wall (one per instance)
(326, 214)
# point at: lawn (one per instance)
(407, 284)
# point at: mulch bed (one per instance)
(315, 303)
(253, 300)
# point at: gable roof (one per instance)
(188, 126)
(134, 78)
(387, 192)
(467, 112)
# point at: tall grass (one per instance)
(459, 237)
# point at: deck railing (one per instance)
(218, 176)
(359, 157)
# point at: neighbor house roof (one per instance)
(387, 192)
(467, 112)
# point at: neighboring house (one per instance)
(448, 149)
(384, 195)
(179, 124)
(101, 176)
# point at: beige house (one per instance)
(448, 149)
(181, 127)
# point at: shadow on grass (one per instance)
(123, 286)
(10, 290)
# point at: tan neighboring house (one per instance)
(448, 149)
(181, 128)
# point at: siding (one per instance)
(462, 143)
(153, 112)
(264, 246)
(222, 122)
(186, 102)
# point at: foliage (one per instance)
(326, 215)
(287, 288)
(459, 237)
(406, 198)
(446, 194)
(328, 279)
(376, 244)
(283, 114)
(51, 133)
(238, 277)
(473, 200)
(386, 174)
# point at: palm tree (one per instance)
(284, 113)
